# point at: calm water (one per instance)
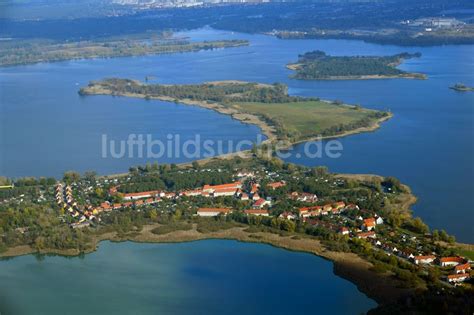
(205, 277)
(47, 128)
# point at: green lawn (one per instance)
(311, 118)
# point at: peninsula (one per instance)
(279, 115)
(317, 65)
(34, 51)
(362, 223)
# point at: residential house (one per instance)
(451, 261)
(369, 224)
(140, 195)
(257, 212)
(260, 203)
(276, 185)
(287, 216)
(428, 259)
(344, 231)
(464, 268)
(212, 212)
(456, 278)
(364, 235)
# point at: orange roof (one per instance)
(463, 267)
(339, 204)
(276, 184)
(452, 259)
(105, 205)
(224, 186)
(366, 234)
(143, 193)
(259, 202)
(222, 210)
(303, 209)
(369, 222)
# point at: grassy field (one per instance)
(310, 118)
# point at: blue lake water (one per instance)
(204, 277)
(47, 128)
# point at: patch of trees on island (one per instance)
(318, 65)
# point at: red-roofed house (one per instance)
(451, 261)
(344, 231)
(234, 185)
(276, 185)
(464, 268)
(260, 203)
(458, 277)
(369, 224)
(364, 235)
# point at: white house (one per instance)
(212, 212)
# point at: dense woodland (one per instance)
(317, 65)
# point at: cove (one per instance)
(202, 277)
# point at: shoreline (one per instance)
(408, 75)
(346, 265)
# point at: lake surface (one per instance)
(47, 128)
(204, 277)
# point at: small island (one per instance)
(279, 115)
(317, 65)
(34, 51)
(459, 87)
